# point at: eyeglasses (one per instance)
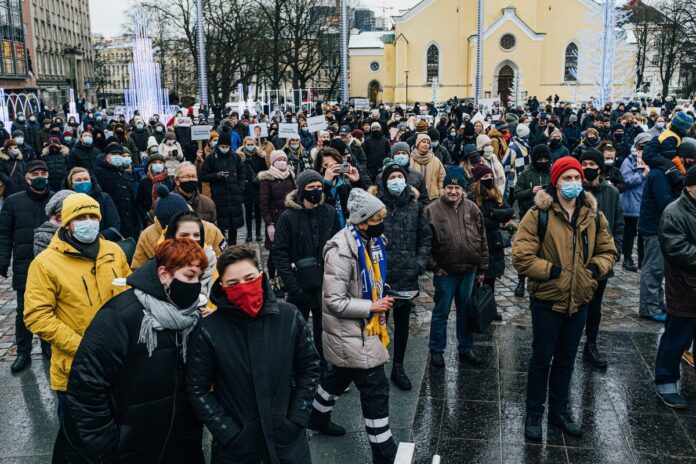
(186, 178)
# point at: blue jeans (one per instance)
(448, 288)
(678, 335)
(554, 348)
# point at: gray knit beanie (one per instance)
(55, 204)
(400, 146)
(362, 206)
(307, 177)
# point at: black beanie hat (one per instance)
(307, 177)
(592, 154)
(225, 139)
(541, 151)
(340, 146)
(690, 177)
(389, 169)
(434, 134)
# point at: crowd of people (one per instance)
(158, 320)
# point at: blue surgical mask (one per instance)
(571, 190)
(87, 141)
(117, 160)
(83, 187)
(68, 139)
(396, 186)
(224, 151)
(294, 146)
(86, 231)
(126, 161)
(250, 148)
(157, 168)
(435, 144)
(402, 160)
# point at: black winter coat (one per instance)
(57, 163)
(140, 137)
(253, 165)
(21, 214)
(13, 168)
(272, 194)
(109, 213)
(125, 406)
(226, 191)
(263, 371)
(376, 149)
(493, 216)
(117, 183)
(301, 233)
(83, 156)
(409, 238)
(413, 178)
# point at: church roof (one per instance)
(372, 39)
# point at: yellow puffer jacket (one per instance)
(64, 292)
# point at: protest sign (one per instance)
(200, 132)
(287, 130)
(182, 122)
(317, 123)
(258, 130)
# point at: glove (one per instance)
(555, 272)
(593, 269)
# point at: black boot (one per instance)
(629, 265)
(399, 378)
(519, 290)
(566, 423)
(22, 362)
(591, 354)
(470, 357)
(322, 423)
(249, 238)
(532, 428)
(437, 360)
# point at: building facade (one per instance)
(16, 73)
(531, 47)
(62, 49)
(111, 59)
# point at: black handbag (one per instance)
(481, 310)
(127, 245)
(310, 275)
(503, 238)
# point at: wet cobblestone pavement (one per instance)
(463, 414)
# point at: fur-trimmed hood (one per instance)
(6, 157)
(267, 175)
(544, 200)
(65, 151)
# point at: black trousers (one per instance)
(554, 348)
(313, 308)
(594, 312)
(629, 235)
(23, 336)
(255, 208)
(402, 315)
(374, 399)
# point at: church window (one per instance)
(507, 42)
(433, 63)
(571, 63)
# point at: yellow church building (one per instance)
(530, 48)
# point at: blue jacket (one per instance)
(657, 194)
(633, 179)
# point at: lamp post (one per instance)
(345, 96)
(200, 41)
(479, 53)
(406, 73)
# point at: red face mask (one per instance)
(247, 296)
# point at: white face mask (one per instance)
(487, 152)
(282, 165)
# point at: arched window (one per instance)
(571, 62)
(433, 63)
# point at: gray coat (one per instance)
(345, 311)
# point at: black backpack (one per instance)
(543, 223)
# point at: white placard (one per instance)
(200, 132)
(287, 130)
(258, 130)
(425, 117)
(182, 122)
(361, 104)
(317, 123)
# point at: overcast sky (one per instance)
(107, 16)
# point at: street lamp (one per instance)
(200, 42)
(406, 73)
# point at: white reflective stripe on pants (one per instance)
(381, 438)
(374, 423)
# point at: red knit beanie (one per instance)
(562, 165)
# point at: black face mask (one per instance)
(542, 167)
(591, 174)
(618, 137)
(183, 295)
(487, 183)
(189, 186)
(312, 196)
(474, 160)
(375, 231)
(590, 141)
(555, 143)
(376, 133)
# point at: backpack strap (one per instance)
(542, 224)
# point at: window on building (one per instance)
(433, 63)
(655, 59)
(571, 63)
(507, 42)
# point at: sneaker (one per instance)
(629, 265)
(321, 423)
(591, 354)
(566, 423)
(659, 317)
(532, 428)
(437, 360)
(470, 357)
(673, 400)
(398, 376)
(688, 358)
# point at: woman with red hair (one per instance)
(126, 400)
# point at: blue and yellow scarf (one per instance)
(373, 274)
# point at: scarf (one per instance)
(337, 198)
(156, 180)
(207, 277)
(161, 315)
(373, 273)
(422, 163)
(278, 174)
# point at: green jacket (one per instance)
(609, 203)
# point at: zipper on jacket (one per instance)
(84, 282)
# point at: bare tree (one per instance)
(272, 15)
(670, 39)
(643, 18)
